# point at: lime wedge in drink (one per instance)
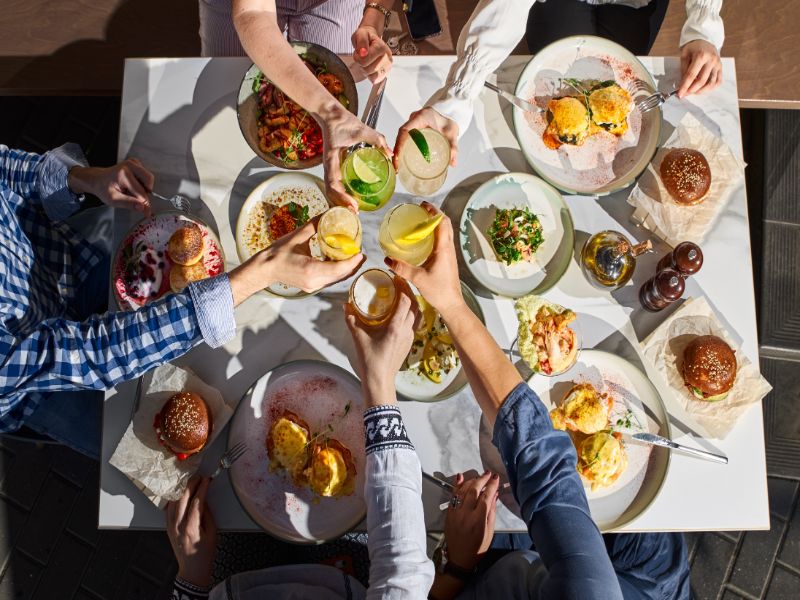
(342, 242)
(364, 171)
(422, 144)
(421, 231)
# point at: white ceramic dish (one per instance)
(264, 190)
(318, 392)
(638, 486)
(604, 163)
(412, 385)
(154, 232)
(516, 190)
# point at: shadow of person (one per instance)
(96, 65)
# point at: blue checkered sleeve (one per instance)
(42, 179)
(19, 171)
(108, 349)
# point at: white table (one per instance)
(178, 117)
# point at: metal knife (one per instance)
(657, 440)
(373, 107)
(515, 100)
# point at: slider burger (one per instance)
(186, 245)
(709, 368)
(686, 175)
(184, 424)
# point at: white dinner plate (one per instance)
(271, 188)
(320, 393)
(412, 385)
(629, 496)
(152, 234)
(517, 190)
(604, 163)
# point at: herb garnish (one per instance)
(515, 234)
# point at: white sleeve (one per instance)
(703, 22)
(399, 565)
(492, 32)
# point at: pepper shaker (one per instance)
(663, 289)
(686, 258)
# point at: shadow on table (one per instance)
(185, 123)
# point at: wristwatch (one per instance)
(446, 567)
(387, 14)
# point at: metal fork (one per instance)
(654, 101)
(233, 454)
(179, 202)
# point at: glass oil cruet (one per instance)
(608, 259)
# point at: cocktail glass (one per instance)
(373, 296)
(396, 234)
(368, 176)
(339, 233)
(420, 176)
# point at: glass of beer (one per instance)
(373, 295)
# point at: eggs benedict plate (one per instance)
(302, 479)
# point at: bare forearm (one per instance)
(491, 375)
(256, 24)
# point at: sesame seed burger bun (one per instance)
(184, 423)
(185, 246)
(686, 175)
(709, 368)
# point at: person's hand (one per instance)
(340, 131)
(125, 185)
(701, 68)
(437, 279)
(469, 527)
(430, 118)
(371, 53)
(192, 533)
(380, 351)
(288, 260)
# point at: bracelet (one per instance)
(387, 14)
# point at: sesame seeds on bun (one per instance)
(686, 175)
(709, 368)
(184, 423)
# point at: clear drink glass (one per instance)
(339, 233)
(368, 176)
(399, 222)
(419, 176)
(373, 296)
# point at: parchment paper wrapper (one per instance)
(655, 208)
(664, 349)
(151, 467)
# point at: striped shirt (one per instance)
(329, 23)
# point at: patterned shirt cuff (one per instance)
(58, 201)
(384, 429)
(213, 304)
(183, 590)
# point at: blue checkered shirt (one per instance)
(43, 347)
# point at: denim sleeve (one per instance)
(540, 462)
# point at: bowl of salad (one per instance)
(278, 129)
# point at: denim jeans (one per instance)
(74, 417)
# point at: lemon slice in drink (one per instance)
(342, 242)
(363, 170)
(421, 231)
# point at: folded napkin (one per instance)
(655, 208)
(664, 349)
(140, 455)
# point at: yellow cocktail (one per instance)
(424, 160)
(407, 233)
(339, 233)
